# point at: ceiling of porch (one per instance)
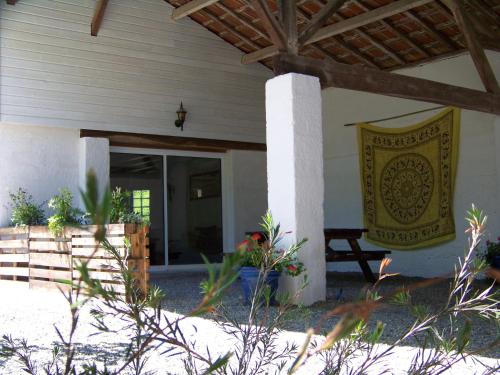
(412, 36)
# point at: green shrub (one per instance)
(24, 210)
(64, 212)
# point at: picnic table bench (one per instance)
(355, 254)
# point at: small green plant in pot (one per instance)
(492, 253)
(24, 210)
(64, 212)
(263, 258)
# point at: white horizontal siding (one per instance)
(131, 77)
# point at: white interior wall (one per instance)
(478, 174)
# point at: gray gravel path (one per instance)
(32, 314)
(183, 291)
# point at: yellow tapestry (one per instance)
(408, 178)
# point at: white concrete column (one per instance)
(295, 173)
(94, 153)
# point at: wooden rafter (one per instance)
(474, 45)
(343, 26)
(98, 16)
(376, 43)
(479, 5)
(365, 79)
(271, 24)
(337, 40)
(212, 16)
(191, 7)
(428, 27)
(389, 26)
(288, 16)
(261, 34)
(319, 20)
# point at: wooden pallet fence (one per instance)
(50, 259)
(14, 256)
(33, 256)
(100, 262)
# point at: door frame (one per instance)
(226, 191)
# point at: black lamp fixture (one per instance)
(181, 117)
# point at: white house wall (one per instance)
(39, 160)
(478, 175)
(249, 191)
(131, 77)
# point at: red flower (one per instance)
(292, 268)
(498, 239)
(243, 245)
(256, 236)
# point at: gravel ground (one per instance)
(32, 314)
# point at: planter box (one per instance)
(14, 256)
(34, 257)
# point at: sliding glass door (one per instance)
(194, 209)
(181, 196)
(142, 175)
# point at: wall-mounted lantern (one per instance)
(181, 117)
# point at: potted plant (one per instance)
(492, 253)
(263, 261)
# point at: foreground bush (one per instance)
(350, 347)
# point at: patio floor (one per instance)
(183, 293)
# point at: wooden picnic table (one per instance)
(355, 254)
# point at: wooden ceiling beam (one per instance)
(319, 20)
(480, 6)
(474, 45)
(271, 24)
(342, 43)
(428, 27)
(190, 8)
(343, 26)
(394, 30)
(98, 16)
(365, 79)
(209, 14)
(356, 52)
(288, 15)
(124, 139)
(262, 33)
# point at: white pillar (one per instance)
(94, 154)
(295, 173)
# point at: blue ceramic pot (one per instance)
(249, 277)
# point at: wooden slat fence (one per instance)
(33, 256)
(14, 256)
